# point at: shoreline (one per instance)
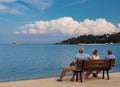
(30, 79)
(51, 82)
(47, 77)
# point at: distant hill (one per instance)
(92, 39)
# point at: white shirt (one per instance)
(95, 57)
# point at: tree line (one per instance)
(93, 39)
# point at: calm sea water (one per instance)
(18, 62)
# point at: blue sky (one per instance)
(50, 21)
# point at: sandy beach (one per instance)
(51, 82)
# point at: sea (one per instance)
(36, 61)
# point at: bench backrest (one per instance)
(102, 64)
(96, 64)
(112, 63)
(79, 64)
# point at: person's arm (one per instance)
(88, 56)
(72, 63)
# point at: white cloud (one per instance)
(74, 2)
(119, 26)
(18, 6)
(69, 26)
(9, 6)
(7, 0)
(2, 7)
(41, 4)
(6, 9)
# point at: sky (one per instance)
(51, 21)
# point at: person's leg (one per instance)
(73, 76)
(66, 69)
(97, 72)
(87, 74)
(63, 73)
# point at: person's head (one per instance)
(81, 50)
(109, 52)
(94, 51)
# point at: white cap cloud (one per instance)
(69, 26)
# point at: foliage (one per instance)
(92, 39)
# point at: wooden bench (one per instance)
(93, 65)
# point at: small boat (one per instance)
(16, 42)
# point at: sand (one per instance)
(51, 82)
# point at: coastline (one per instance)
(51, 82)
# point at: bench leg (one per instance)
(103, 74)
(107, 74)
(81, 76)
(76, 76)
